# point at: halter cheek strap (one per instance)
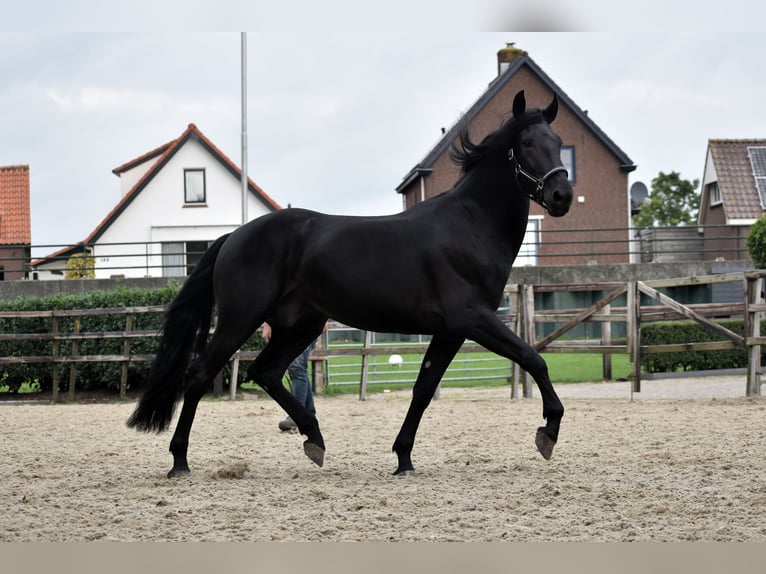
(537, 194)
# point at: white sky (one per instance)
(339, 113)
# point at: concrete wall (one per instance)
(14, 289)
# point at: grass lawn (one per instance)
(468, 369)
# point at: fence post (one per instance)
(73, 365)
(55, 356)
(318, 367)
(126, 353)
(606, 339)
(528, 293)
(519, 328)
(634, 336)
(234, 376)
(365, 366)
(753, 295)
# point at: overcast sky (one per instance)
(338, 116)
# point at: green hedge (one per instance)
(90, 376)
(666, 333)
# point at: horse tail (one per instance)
(185, 330)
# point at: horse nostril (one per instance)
(561, 196)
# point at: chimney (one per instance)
(506, 55)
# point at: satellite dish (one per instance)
(638, 196)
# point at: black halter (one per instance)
(537, 193)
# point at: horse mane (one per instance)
(467, 154)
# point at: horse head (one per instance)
(535, 152)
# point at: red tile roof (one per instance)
(735, 177)
(15, 217)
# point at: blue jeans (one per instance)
(299, 379)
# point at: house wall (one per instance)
(601, 187)
(13, 260)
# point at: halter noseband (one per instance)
(537, 194)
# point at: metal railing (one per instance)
(548, 247)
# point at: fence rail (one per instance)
(522, 316)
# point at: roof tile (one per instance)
(735, 177)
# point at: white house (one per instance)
(176, 200)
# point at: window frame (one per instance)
(714, 193)
(529, 251)
(194, 201)
(571, 173)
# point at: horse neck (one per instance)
(496, 195)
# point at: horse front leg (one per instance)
(495, 336)
(439, 355)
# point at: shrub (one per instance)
(756, 242)
(90, 375)
(666, 333)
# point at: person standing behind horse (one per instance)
(299, 381)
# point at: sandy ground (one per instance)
(683, 460)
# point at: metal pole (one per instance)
(244, 128)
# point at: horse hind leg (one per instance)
(439, 355)
(267, 371)
(221, 347)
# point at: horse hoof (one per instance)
(179, 472)
(314, 452)
(410, 472)
(544, 443)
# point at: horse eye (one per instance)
(527, 142)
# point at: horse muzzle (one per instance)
(558, 200)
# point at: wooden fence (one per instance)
(523, 318)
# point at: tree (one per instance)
(756, 242)
(673, 201)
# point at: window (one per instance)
(194, 252)
(179, 257)
(528, 251)
(568, 159)
(714, 193)
(194, 186)
(173, 258)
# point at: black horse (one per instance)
(439, 269)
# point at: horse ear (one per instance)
(519, 104)
(549, 114)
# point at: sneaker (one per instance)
(288, 425)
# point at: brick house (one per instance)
(733, 195)
(598, 170)
(15, 222)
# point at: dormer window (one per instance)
(715, 193)
(194, 187)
